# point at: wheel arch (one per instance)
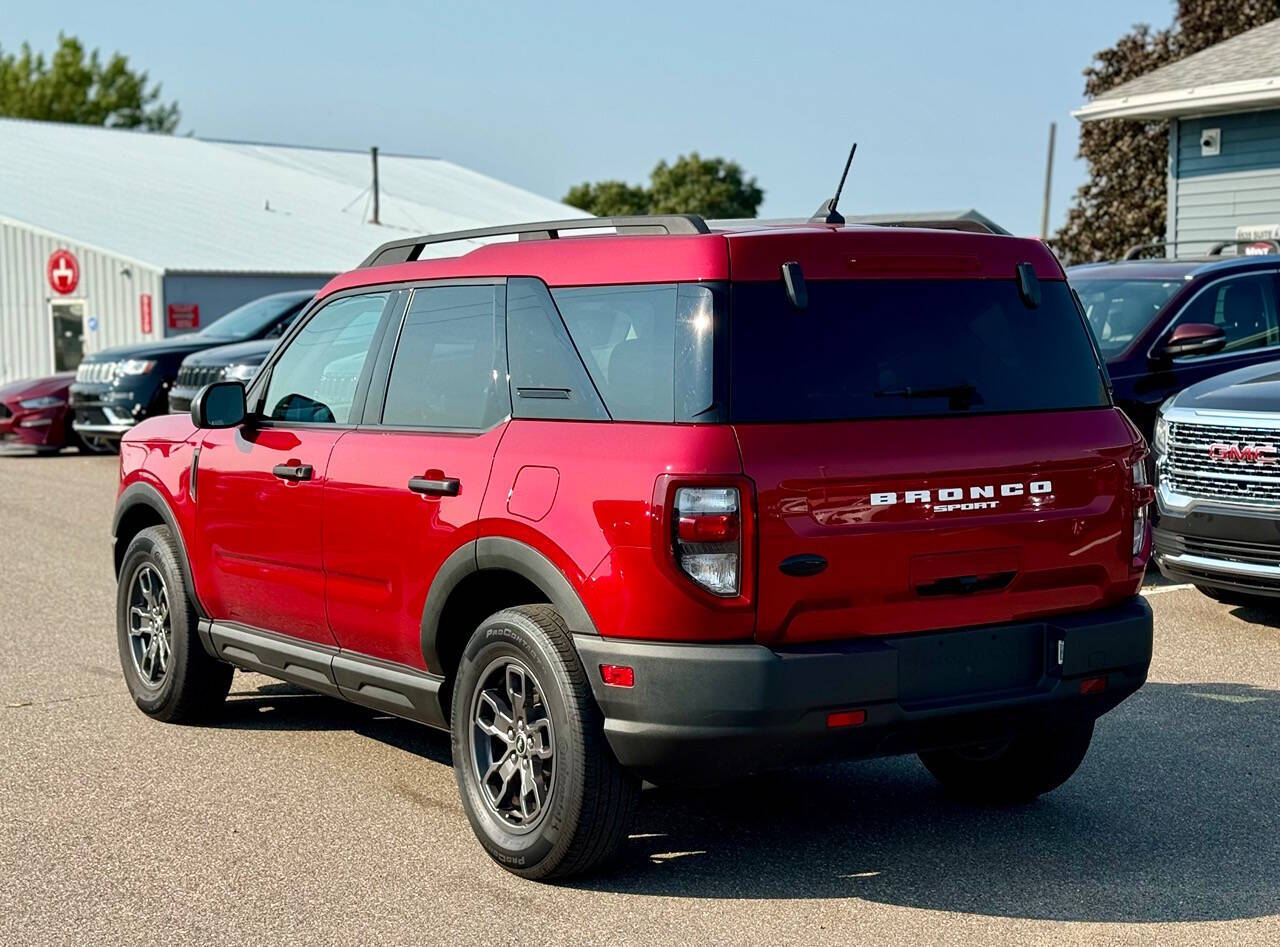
(141, 506)
(485, 576)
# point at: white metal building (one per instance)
(110, 237)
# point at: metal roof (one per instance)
(1237, 74)
(190, 204)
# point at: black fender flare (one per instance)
(144, 494)
(511, 555)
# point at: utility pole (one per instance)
(1048, 183)
(374, 153)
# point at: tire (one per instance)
(96, 445)
(1017, 771)
(169, 674)
(585, 800)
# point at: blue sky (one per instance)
(950, 102)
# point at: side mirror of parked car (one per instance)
(1194, 338)
(219, 405)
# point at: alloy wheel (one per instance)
(513, 744)
(150, 625)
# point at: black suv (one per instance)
(239, 361)
(118, 387)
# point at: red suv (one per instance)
(664, 502)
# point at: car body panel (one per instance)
(46, 427)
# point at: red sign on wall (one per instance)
(144, 313)
(63, 271)
(184, 316)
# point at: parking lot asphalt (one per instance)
(297, 818)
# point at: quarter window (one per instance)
(1243, 307)
(314, 381)
(450, 365)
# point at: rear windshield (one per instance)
(1119, 310)
(907, 348)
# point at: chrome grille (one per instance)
(1187, 468)
(197, 376)
(96, 372)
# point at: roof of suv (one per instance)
(690, 250)
(1177, 268)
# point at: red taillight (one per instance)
(1142, 493)
(707, 537)
(1093, 685)
(847, 718)
(618, 675)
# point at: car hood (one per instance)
(162, 348)
(1256, 388)
(56, 385)
(237, 353)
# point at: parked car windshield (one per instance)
(1120, 310)
(251, 319)
(866, 349)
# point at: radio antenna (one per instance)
(827, 213)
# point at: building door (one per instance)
(67, 318)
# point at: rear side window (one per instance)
(314, 380)
(449, 368)
(548, 379)
(897, 348)
(649, 349)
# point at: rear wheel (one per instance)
(169, 674)
(539, 784)
(96, 445)
(1014, 770)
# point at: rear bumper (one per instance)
(700, 711)
(1230, 549)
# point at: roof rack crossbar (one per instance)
(1135, 252)
(408, 249)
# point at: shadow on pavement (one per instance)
(1172, 817)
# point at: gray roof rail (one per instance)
(408, 249)
(1135, 252)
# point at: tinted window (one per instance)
(1119, 310)
(892, 348)
(1243, 307)
(316, 376)
(649, 348)
(449, 368)
(548, 379)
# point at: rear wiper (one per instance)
(961, 395)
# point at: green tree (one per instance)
(712, 187)
(86, 91)
(1124, 201)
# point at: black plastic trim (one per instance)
(460, 564)
(145, 494)
(500, 552)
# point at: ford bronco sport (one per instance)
(665, 502)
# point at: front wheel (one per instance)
(539, 784)
(1015, 770)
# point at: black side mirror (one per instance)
(219, 405)
(1194, 338)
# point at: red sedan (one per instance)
(33, 412)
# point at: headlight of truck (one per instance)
(34, 404)
(239, 372)
(134, 366)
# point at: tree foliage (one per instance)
(1124, 201)
(712, 187)
(70, 87)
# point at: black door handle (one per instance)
(446, 487)
(292, 471)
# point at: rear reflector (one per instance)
(618, 675)
(847, 718)
(1093, 685)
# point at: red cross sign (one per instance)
(64, 272)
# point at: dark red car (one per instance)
(33, 413)
(668, 502)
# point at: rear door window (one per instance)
(450, 365)
(896, 348)
(548, 379)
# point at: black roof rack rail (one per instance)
(960, 223)
(1135, 252)
(408, 249)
